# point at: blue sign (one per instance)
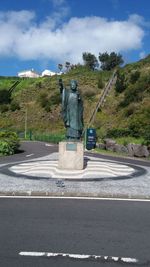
(90, 138)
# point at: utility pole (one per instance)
(26, 120)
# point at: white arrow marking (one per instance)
(29, 155)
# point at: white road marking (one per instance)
(76, 198)
(29, 155)
(49, 145)
(78, 256)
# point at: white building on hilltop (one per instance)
(48, 73)
(28, 74)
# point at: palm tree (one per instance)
(67, 65)
(60, 66)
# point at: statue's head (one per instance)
(73, 85)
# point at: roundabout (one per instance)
(93, 170)
(36, 173)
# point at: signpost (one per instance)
(90, 138)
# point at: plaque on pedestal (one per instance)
(71, 155)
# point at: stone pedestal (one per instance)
(71, 155)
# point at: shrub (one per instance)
(47, 102)
(139, 125)
(129, 140)
(38, 85)
(118, 132)
(55, 99)
(132, 94)
(4, 108)
(144, 82)
(135, 92)
(14, 105)
(120, 85)
(5, 148)
(131, 109)
(100, 83)
(134, 76)
(5, 96)
(147, 136)
(89, 93)
(9, 143)
(43, 99)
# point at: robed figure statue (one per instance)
(72, 110)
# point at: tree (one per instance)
(5, 97)
(90, 60)
(120, 85)
(110, 61)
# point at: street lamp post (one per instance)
(26, 120)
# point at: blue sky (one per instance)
(40, 34)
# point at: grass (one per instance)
(111, 153)
(129, 140)
(52, 138)
(114, 154)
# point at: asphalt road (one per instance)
(36, 149)
(94, 227)
(30, 150)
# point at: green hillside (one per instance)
(126, 111)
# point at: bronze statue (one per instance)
(72, 110)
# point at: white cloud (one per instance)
(23, 37)
(61, 10)
(13, 25)
(58, 2)
(23, 17)
(142, 55)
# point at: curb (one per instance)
(73, 195)
(114, 157)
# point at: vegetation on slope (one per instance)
(126, 112)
